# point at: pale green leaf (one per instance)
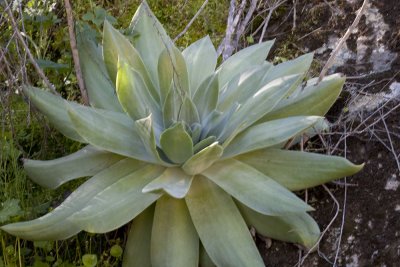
(172, 106)
(111, 131)
(188, 112)
(298, 170)
(137, 248)
(204, 143)
(86, 162)
(268, 134)
(56, 224)
(204, 259)
(174, 240)
(206, 97)
(173, 181)
(176, 137)
(54, 108)
(221, 228)
(180, 72)
(299, 228)
(165, 75)
(203, 159)
(117, 47)
(254, 189)
(243, 60)
(103, 212)
(201, 60)
(100, 89)
(313, 99)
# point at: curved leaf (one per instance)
(299, 228)
(201, 60)
(297, 170)
(254, 189)
(220, 226)
(206, 97)
(85, 162)
(176, 137)
(203, 159)
(102, 213)
(174, 240)
(165, 75)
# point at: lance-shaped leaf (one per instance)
(102, 213)
(204, 143)
(85, 162)
(243, 60)
(172, 106)
(201, 60)
(174, 240)
(138, 243)
(173, 181)
(299, 228)
(204, 259)
(100, 89)
(174, 137)
(134, 95)
(56, 225)
(203, 159)
(54, 108)
(165, 75)
(265, 100)
(314, 99)
(180, 72)
(268, 134)
(299, 170)
(220, 226)
(206, 97)
(188, 112)
(254, 189)
(152, 39)
(116, 47)
(108, 130)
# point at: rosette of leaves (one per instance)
(189, 152)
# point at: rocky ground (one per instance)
(362, 219)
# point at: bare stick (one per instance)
(224, 46)
(266, 21)
(331, 59)
(31, 58)
(244, 22)
(74, 51)
(191, 21)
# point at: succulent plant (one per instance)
(190, 153)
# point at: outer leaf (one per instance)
(201, 60)
(85, 162)
(203, 159)
(56, 224)
(254, 189)
(100, 88)
(268, 134)
(205, 260)
(174, 241)
(54, 108)
(299, 170)
(134, 95)
(137, 248)
(313, 99)
(206, 97)
(103, 212)
(176, 137)
(173, 181)
(152, 38)
(220, 226)
(115, 47)
(110, 131)
(297, 228)
(243, 60)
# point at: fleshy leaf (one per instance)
(175, 137)
(174, 240)
(102, 213)
(203, 159)
(204, 259)
(243, 60)
(201, 60)
(220, 226)
(173, 181)
(254, 189)
(206, 97)
(188, 112)
(299, 228)
(299, 170)
(137, 248)
(165, 75)
(85, 162)
(268, 134)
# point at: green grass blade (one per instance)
(220, 226)
(174, 240)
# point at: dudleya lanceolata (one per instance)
(190, 153)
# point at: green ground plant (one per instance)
(191, 153)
